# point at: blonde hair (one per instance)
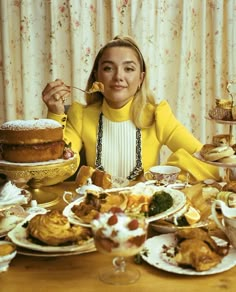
(142, 97)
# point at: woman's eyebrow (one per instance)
(125, 62)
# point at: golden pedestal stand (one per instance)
(39, 175)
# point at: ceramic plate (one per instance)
(179, 199)
(18, 235)
(35, 253)
(153, 254)
(163, 226)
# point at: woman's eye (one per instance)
(107, 68)
(129, 69)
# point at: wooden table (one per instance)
(80, 273)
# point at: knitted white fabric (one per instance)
(118, 147)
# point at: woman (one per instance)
(122, 129)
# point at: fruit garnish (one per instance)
(115, 210)
(192, 215)
(133, 224)
(112, 220)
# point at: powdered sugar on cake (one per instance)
(30, 124)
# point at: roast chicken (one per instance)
(197, 249)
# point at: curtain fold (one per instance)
(190, 47)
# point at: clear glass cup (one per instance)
(120, 236)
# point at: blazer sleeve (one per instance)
(183, 145)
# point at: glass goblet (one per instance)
(120, 236)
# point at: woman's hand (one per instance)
(54, 95)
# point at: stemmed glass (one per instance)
(120, 236)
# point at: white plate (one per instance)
(170, 227)
(179, 200)
(35, 253)
(152, 254)
(18, 235)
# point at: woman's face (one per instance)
(119, 70)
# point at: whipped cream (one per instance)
(10, 193)
(126, 236)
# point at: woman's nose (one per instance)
(118, 74)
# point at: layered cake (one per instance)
(31, 140)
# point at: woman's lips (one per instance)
(118, 87)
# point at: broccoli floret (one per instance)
(161, 201)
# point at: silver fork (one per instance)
(79, 89)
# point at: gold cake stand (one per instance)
(39, 175)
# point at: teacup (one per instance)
(164, 174)
(228, 222)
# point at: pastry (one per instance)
(102, 179)
(210, 153)
(84, 173)
(229, 159)
(223, 139)
(98, 177)
(53, 228)
(31, 140)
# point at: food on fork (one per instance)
(96, 87)
(31, 140)
(54, 229)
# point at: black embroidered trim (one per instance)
(138, 169)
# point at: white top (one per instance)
(118, 142)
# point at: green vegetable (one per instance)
(182, 221)
(161, 201)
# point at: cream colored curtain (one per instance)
(190, 46)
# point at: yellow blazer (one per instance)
(80, 129)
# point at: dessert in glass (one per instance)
(119, 235)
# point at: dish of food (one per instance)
(163, 226)
(216, 163)
(222, 121)
(179, 200)
(34, 253)
(153, 254)
(19, 236)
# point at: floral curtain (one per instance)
(190, 46)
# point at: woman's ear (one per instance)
(142, 75)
